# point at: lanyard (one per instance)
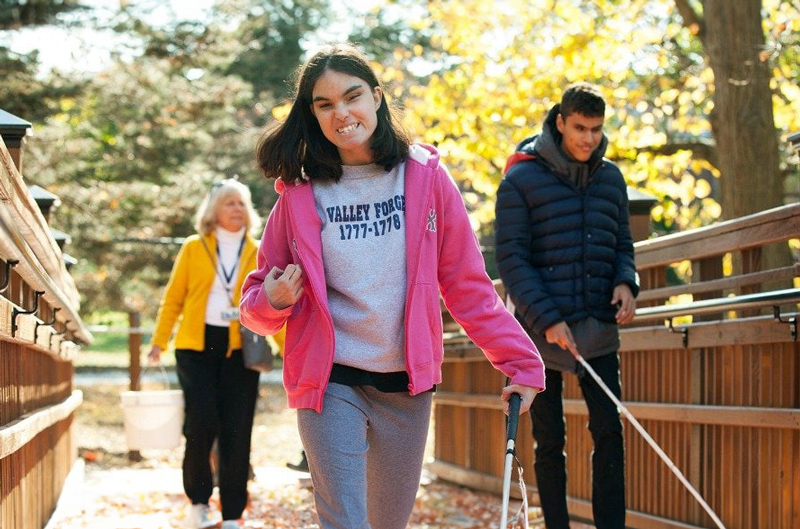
(229, 276)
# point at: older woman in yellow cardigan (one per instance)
(202, 297)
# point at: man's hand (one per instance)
(560, 335)
(284, 287)
(627, 303)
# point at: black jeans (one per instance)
(608, 457)
(220, 395)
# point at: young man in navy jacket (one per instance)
(565, 255)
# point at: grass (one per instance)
(112, 342)
(110, 349)
(111, 352)
(89, 359)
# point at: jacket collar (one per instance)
(249, 241)
(547, 147)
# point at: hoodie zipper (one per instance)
(313, 289)
(331, 334)
(412, 280)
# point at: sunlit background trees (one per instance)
(701, 94)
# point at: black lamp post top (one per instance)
(13, 128)
(794, 139)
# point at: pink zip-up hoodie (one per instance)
(442, 256)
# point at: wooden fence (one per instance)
(720, 391)
(39, 334)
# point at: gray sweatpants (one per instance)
(365, 453)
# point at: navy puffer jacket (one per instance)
(563, 239)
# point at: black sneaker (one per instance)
(302, 466)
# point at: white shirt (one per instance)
(229, 244)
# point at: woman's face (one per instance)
(346, 109)
(231, 212)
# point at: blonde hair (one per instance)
(206, 220)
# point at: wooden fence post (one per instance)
(135, 368)
(135, 348)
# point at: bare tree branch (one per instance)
(691, 18)
(700, 149)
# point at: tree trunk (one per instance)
(742, 120)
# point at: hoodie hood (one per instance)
(547, 147)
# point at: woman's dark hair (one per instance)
(583, 98)
(288, 148)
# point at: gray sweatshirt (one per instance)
(364, 253)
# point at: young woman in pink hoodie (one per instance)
(368, 232)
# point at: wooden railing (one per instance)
(40, 332)
(715, 381)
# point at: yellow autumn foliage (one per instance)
(502, 65)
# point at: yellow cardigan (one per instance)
(186, 296)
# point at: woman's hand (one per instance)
(526, 392)
(154, 356)
(284, 287)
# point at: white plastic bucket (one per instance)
(153, 419)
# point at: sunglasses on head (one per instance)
(216, 185)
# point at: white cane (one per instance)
(639, 428)
(511, 437)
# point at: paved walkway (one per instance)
(136, 498)
(144, 498)
(109, 494)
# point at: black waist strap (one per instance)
(393, 382)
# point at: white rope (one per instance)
(639, 428)
(522, 514)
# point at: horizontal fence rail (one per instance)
(717, 387)
(13, 246)
(40, 332)
(713, 306)
(17, 434)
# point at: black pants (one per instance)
(220, 396)
(608, 457)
